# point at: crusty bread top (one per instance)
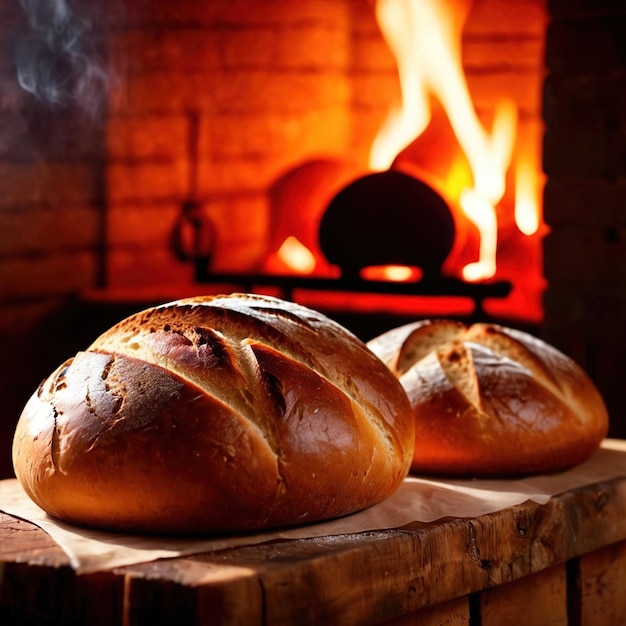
(192, 335)
(490, 400)
(404, 347)
(233, 412)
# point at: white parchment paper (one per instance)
(417, 500)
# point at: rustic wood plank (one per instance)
(35, 594)
(21, 541)
(539, 598)
(453, 613)
(358, 579)
(97, 599)
(372, 577)
(194, 591)
(42, 595)
(38, 586)
(602, 585)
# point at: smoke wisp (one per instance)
(60, 61)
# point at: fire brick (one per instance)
(166, 93)
(186, 49)
(571, 100)
(587, 43)
(512, 19)
(519, 85)
(514, 53)
(47, 230)
(323, 46)
(151, 224)
(47, 275)
(578, 154)
(576, 8)
(136, 179)
(250, 12)
(57, 184)
(374, 91)
(246, 175)
(583, 255)
(275, 135)
(586, 202)
(148, 136)
(288, 91)
(145, 267)
(370, 54)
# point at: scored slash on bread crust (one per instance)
(222, 413)
(490, 400)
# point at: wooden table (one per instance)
(559, 563)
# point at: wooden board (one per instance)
(366, 578)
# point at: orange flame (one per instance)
(425, 38)
(296, 256)
(527, 216)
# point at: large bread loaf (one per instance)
(490, 400)
(223, 413)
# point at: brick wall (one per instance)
(91, 189)
(242, 91)
(51, 191)
(585, 196)
(51, 214)
(261, 90)
(87, 202)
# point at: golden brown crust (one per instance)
(490, 400)
(222, 413)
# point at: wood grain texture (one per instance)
(537, 599)
(21, 541)
(452, 613)
(366, 578)
(602, 584)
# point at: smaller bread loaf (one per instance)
(225, 413)
(490, 400)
